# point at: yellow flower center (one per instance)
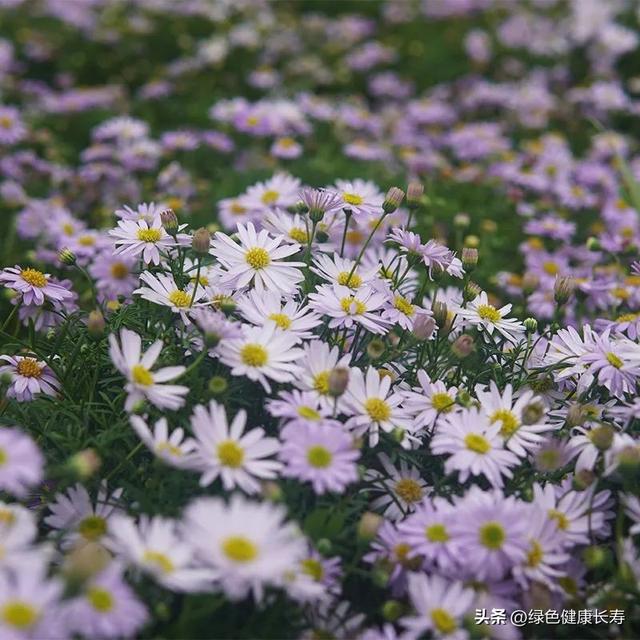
(7, 517)
(180, 298)
(560, 518)
(443, 621)
(239, 549)
(160, 560)
(86, 241)
(550, 268)
(353, 280)
(141, 375)
(489, 312)
(100, 599)
(442, 402)
(308, 413)
(149, 235)
(254, 355)
(535, 554)
(627, 317)
(93, 527)
(409, 490)
(270, 196)
(352, 306)
(313, 568)
(436, 533)
(614, 360)
(237, 209)
(6, 122)
(355, 237)
(68, 229)
(352, 198)
(404, 306)
(171, 448)
(477, 443)
(492, 535)
(29, 368)
(281, 319)
(34, 277)
(19, 614)
(230, 454)
(510, 424)
(299, 235)
(119, 270)
(257, 258)
(378, 409)
(3, 457)
(319, 457)
(321, 382)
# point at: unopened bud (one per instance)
(85, 560)
(461, 220)
(218, 385)
(575, 415)
(423, 326)
(393, 199)
(469, 258)
(472, 241)
(583, 479)
(392, 610)
(415, 191)
(324, 546)
(563, 289)
(629, 463)
(463, 346)
(602, 437)
(338, 381)
(169, 221)
(368, 525)
(531, 325)
(593, 244)
(95, 324)
(489, 226)
(66, 256)
(596, 557)
(533, 412)
(375, 348)
(440, 313)
(84, 463)
(227, 305)
(271, 491)
(530, 283)
(201, 241)
(471, 291)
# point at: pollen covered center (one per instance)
(510, 424)
(100, 599)
(160, 560)
(352, 198)
(257, 258)
(492, 535)
(409, 490)
(254, 355)
(352, 306)
(230, 454)
(19, 614)
(282, 320)
(180, 298)
(149, 235)
(477, 443)
(239, 549)
(141, 375)
(29, 368)
(442, 402)
(319, 456)
(377, 409)
(351, 280)
(489, 312)
(34, 277)
(93, 527)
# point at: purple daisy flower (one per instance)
(33, 285)
(21, 463)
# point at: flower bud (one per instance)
(338, 381)
(531, 325)
(227, 305)
(583, 479)
(392, 610)
(563, 289)
(461, 220)
(393, 199)
(324, 546)
(596, 557)
(530, 283)
(66, 256)
(84, 463)
(368, 526)
(575, 415)
(440, 313)
(218, 385)
(471, 291)
(463, 346)
(489, 226)
(96, 324)
(629, 460)
(201, 241)
(472, 241)
(271, 491)
(533, 412)
(85, 560)
(415, 191)
(375, 348)
(169, 221)
(593, 244)
(469, 258)
(423, 326)
(602, 437)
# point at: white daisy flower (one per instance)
(142, 382)
(262, 354)
(248, 544)
(261, 308)
(373, 406)
(174, 448)
(402, 489)
(337, 270)
(155, 546)
(139, 237)
(227, 451)
(440, 604)
(362, 197)
(79, 518)
(347, 308)
(281, 190)
(430, 400)
(18, 531)
(507, 412)
(258, 258)
(162, 289)
(482, 314)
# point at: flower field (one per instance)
(319, 319)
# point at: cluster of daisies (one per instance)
(486, 456)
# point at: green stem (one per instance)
(197, 283)
(347, 220)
